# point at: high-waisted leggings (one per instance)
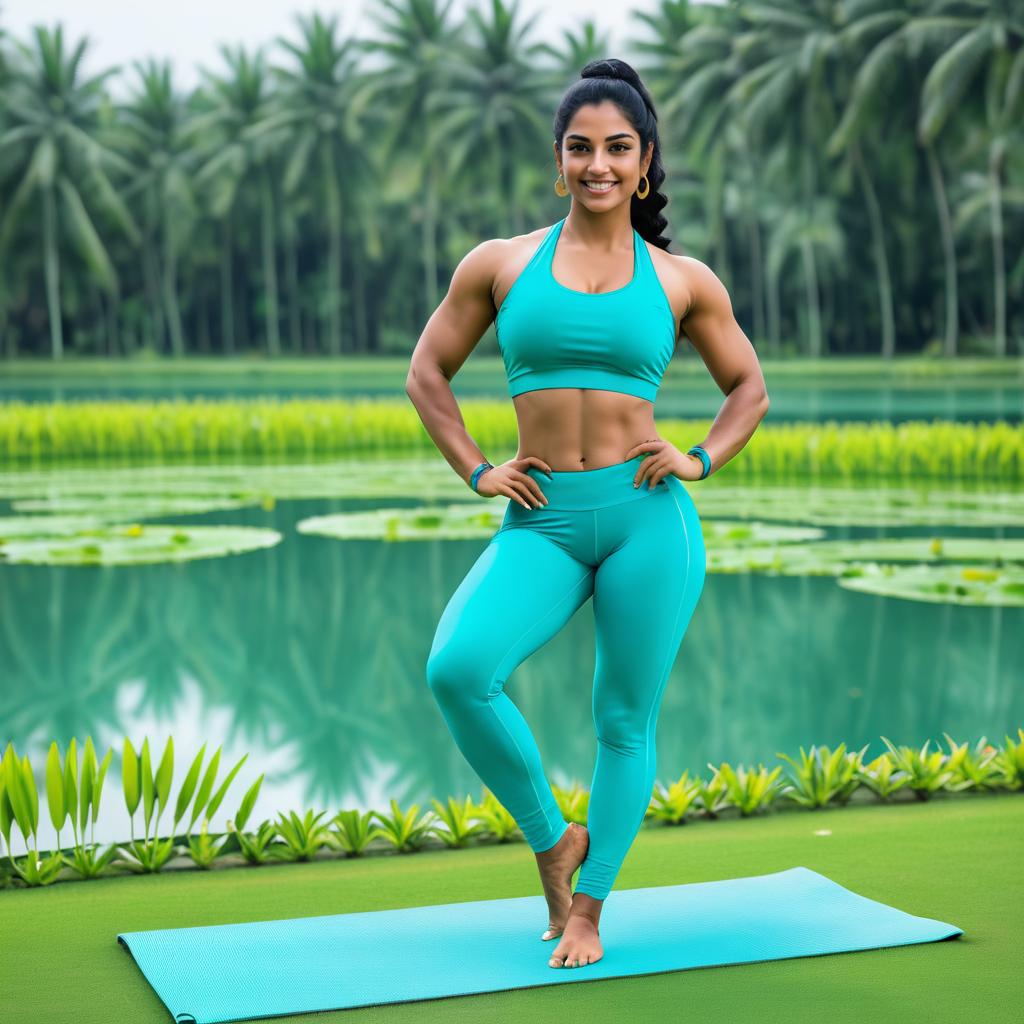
(640, 554)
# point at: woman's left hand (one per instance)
(665, 458)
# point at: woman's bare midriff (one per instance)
(582, 428)
(574, 429)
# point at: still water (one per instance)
(687, 391)
(309, 656)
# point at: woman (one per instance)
(588, 313)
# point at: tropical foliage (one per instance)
(850, 170)
(820, 778)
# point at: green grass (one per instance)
(956, 859)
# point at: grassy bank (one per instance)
(953, 858)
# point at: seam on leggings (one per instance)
(490, 700)
(668, 658)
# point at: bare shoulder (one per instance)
(511, 256)
(676, 280)
(706, 290)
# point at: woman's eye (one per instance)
(579, 145)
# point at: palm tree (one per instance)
(805, 62)
(697, 55)
(415, 43)
(233, 159)
(52, 147)
(496, 106)
(153, 133)
(890, 67)
(984, 31)
(326, 142)
(1000, 138)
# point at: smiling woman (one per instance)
(588, 313)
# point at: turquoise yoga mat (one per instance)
(227, 972)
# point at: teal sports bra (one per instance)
(551, 336)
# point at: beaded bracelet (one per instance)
(479, 472)
(704, 458)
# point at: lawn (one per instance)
(955, 858)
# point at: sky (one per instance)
(190, 31)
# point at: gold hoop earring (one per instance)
(560, 186)
(647, 188)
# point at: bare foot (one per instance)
(557, 866)
(580, 944)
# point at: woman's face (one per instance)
(600, 145)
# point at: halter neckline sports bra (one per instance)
(551, 336)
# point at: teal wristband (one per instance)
(704, 458)
(479, 472)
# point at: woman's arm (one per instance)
(451, 334)
(710, 325)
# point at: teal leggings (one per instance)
(640, 554)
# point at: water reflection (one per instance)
(310, 656)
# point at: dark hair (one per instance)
(617, 81)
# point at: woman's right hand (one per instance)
(510, 479)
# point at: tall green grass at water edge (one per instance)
(817, 779)
(175, 430)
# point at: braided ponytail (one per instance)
(615, 80)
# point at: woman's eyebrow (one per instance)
(621, 135)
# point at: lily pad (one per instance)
(119, 507)
(737, 533)
(867, 506)
(459, 522)
(942, 584)
(135, 544)
(834, 557)
(450, 522)
(45, 526)
(418, 479)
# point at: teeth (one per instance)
(599, 188)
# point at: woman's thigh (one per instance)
(520, 591)
(645, 591)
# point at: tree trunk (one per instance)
(334, 289)
(51, 262)
(878, 253)
(112, 306)
(269, 266)
(169, 284)
(774, 315)
(227, 290)
(155, 317)
(359, 303)
(292, 270)
(203, 322)
(814, 340)
(428, 241)
(998, 260)
(949, 344)
(756, 277)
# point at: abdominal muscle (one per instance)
(574, 429)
